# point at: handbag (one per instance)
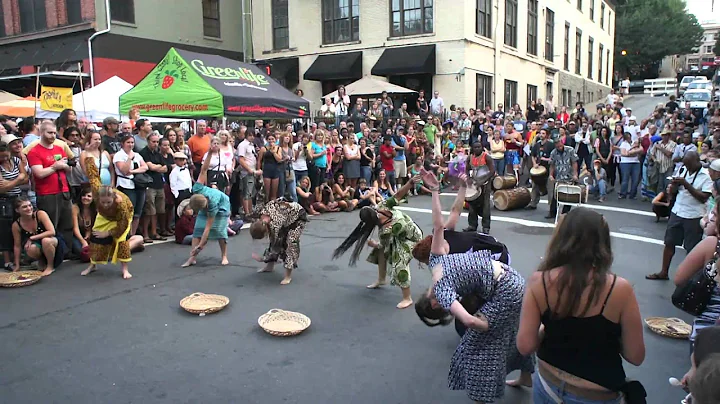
(217, 177)
(694, 296)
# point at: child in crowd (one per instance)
(180, 180)
(364, 194)
(185, 224)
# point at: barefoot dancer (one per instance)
(487, 351)
(109, 241)
(283, 222)
(398, 235)
(213, 207)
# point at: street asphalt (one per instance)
(100, 339)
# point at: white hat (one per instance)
(633, 118)
(715, 165)
(181, 207)
(9, 138)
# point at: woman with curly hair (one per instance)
(109, 242)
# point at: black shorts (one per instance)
(684, 232)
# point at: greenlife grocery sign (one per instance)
(229, 73)
(186, 84)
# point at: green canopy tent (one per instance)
(192, 85)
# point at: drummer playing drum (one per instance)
(540, 155)
(563, 168)
(481, 169)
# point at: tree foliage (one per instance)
(649, 30)
(716, 48)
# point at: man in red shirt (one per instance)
(387, 155)
(199, 145)
(49, 165)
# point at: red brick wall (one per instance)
(60, 9)
(14, 15)
(88, 10)
(51, 14)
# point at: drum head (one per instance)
(585, 179)
(482, 175)
(538, 171)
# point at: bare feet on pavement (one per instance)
(88, 270)
(405, 303)
(376, 285)
(127, 275)
(190, 262)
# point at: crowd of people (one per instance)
(72, 189)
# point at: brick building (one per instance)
(53, 35)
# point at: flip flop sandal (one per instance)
(158, 238)
(656, 277)
(148, 241)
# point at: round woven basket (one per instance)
(669, 327)
(19, 278)
(200, 303)
(281, 323)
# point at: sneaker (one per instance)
(473, 229)
(485, 230)
(602, 199)
(531, 207)
(9, 266)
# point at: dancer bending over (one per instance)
(283, 222)
(487, 351)
(109, 242)
(398, 235)
(213, 207)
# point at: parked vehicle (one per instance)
(685, 82)
(697, 101)
(700, 84)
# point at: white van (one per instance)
(685, 83)
(700, 84)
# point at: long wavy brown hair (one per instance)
(581, 247)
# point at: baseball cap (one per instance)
(110, 120)
(550, 120)
(400, 128)
(633, 118)
(179, 155)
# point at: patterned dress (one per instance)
(396, 244)
(483, 359)
(287, 222)
(116, 219)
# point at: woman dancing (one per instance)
(487, 351)
(213, 207)
(109, 241)
(398, 235)
(283, 222)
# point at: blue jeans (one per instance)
(299, 174)
(630, 174)
(540, 396)
(366, 172)
(499, 166)
(76, 246)
(137, 197)
(600, 188)
(391, 179)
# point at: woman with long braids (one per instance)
(487, 351)
(398, 235)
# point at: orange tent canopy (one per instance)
(21, 108)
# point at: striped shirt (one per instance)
(11, 175)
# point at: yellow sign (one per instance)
(56, 98)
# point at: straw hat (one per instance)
(181, 207)
(179, 155)
(7, 139)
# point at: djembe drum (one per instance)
(509, 199)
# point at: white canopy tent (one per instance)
(100, 102)
(371, 86)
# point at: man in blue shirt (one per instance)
(399, 143)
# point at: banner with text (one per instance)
(56, 98)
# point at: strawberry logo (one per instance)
(301, 112)
(169, 79)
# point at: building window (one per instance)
(511, 18)
(123, 10)
(600, 63)
(579, 5)
(32, 15)
(532, 27)
(602, 16)
(607, 67)
(341, 21)
(484, 91)
(74, 13)
(591, 44)
(411, 17)
(708, 49)
(484, 18)
(2, 26)
(610, 22)
(591, 10)
(565, 97)
(578, 98)
(566, 49)
(531, 94)
(280, 24)
(549, 35)
(211, 18)
(578, 50)
(510, 93)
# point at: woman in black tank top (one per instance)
(581, 319)
(34, 236)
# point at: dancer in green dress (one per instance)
(397, 237)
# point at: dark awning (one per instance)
(406, 60)
(285, 69)
(337, 66)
